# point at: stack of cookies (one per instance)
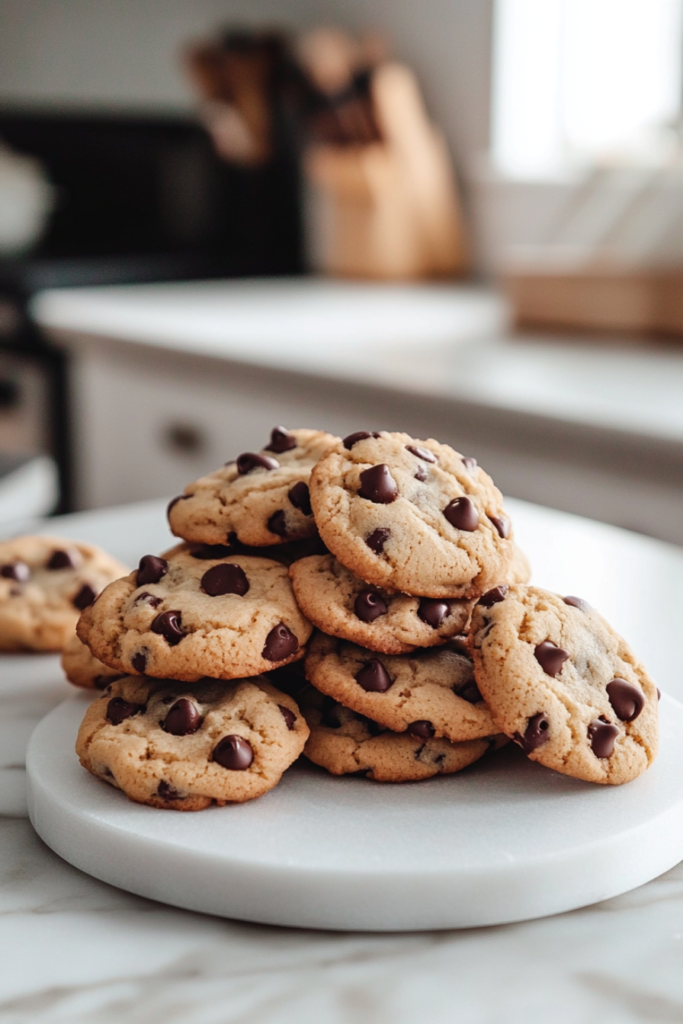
(430, 650)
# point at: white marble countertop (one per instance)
(438, 340)
(76, 950)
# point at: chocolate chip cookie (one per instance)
(83, 669)
(184, 618)
(413, 516)
(434, 688)
(45, 583)
(183, 749)
(346, 743)
(261, 498)
(564, 685)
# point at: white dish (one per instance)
(504, 841)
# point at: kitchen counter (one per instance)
(191, 373)
(76, 950)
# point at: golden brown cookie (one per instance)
(83, 669)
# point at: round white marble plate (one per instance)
(503, 841)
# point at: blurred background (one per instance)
(462, 218)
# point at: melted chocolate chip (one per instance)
(183, 719)
(469, 692)
(139, 662)
(289, 717)
(168, 625)
(174, 501)
(280, 441)
(659, 694)
(62, 560)
(151, 570)
(369, 605)
(462, 514)
(300, 497)
(280, 644)
(601, 735)
(118, 710)
(420, 474)
(207, 551)
(249, 461)
(378, 538)
(493, 596)
(373, 677)
(330, 714)
(167, 792)
(502, 525)
(550, 657)
(360, 435)
(148, 598)
(226, 578)
(536, 733)
(626, 700)
(458, 644)
(18, 571)
(234, 753)
(277, 523)
(469, 463)
(577, 602)
(422, 453)
(422, 729)
(432, 611)
(84, 598)
(378, 485)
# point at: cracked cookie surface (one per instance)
(564, 684)
(186, 618)
(262, 498)
(183, 749)
(413, 516)
(45, 583)
(434, 686)
(346, 743)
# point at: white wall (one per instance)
(123, 53)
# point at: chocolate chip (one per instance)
(373, 677)
(469, 463)
(148, 598)
(659, 694)
(577, 602)
(62, 560)
(206, 551)
(502, 525)
(469, 692)
(84, 598)
(627, 700)
(250, 461)
(462, 514)
(118, 710)
(151, 570)
(280, 643)
(281, 441)
(139, 662)
(167, 792)
(422, 729)
(102, 682)
(18, 571)
(183, 718)
(330, 714)
(289, 716)
(458, 644)
(378, 538)
(420, 474)
(234, 753)
(536, 733)
(174, 501)
(300, 497)
(550, 657)
(378, 485)
(277, 523)
(167, 624)
(226, 578)
(422, 453)
(369, 605)
(360, 435)
(432, 611)
(493, 596)
(15, 592)
(602, 735)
